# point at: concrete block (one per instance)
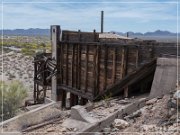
(80, 113)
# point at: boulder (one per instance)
(120, 124)
(177, 96)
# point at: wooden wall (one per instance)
(87, 67)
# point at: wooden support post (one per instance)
(124, 61)
(94, 68)
(35, 90)
(114, 66)
(63, 96)
(97, 69)
(137, 57)
(72, 96)
(126, 92)
(105, 66)
(77, 66)
(86, 67)
(73, 99)
(72, 66)
(79, 62)
(67, 63)
(55, 38)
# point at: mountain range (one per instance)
(46, 32)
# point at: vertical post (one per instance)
(102, 21)
(86, 67)
(55, 38)
(105, 66)
(126, 92)
(137, 57)
(114, 66)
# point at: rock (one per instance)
(120, 124)
(147, 127)
(152, 101)
(124, 102)
(115, 130)
(177, 94)
(172, 111)
(63, 129)
(171, 103)
(50, 129)
(107, 130)
(134, 115)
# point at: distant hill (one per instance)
(155, 33)
(158, 35)
(27, 32)
(46, 32)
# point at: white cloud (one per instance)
(78, 15)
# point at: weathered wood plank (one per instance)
(86, 67)
(137, 57)
(114, 66)
(97, 76)
(105, 66)
(72, 66)
(122, 62)
(67, 63)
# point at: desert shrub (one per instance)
(11, 97)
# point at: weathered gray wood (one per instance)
(55, 38)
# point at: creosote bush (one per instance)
(11, 98)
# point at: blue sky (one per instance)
(120, 15)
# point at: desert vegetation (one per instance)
(11, 98)
(28, 45)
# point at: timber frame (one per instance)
(87, 68)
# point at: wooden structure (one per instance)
(88, 68)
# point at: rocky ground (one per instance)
(15, 66)
(159, 116)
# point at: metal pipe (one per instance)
(102, 21)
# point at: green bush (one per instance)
(11, 98)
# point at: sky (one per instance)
(119, 15)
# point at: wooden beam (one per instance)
(126, 92)
(94, 69)
(105, 66)
(72, 66)
(122, 62)
(137, 57)
(67, 63)
(63, 96)
(126, 61)
(75, 91)
(86, 67)
(55, 38)
(130, 79)
(114, 66)
(97, 75)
